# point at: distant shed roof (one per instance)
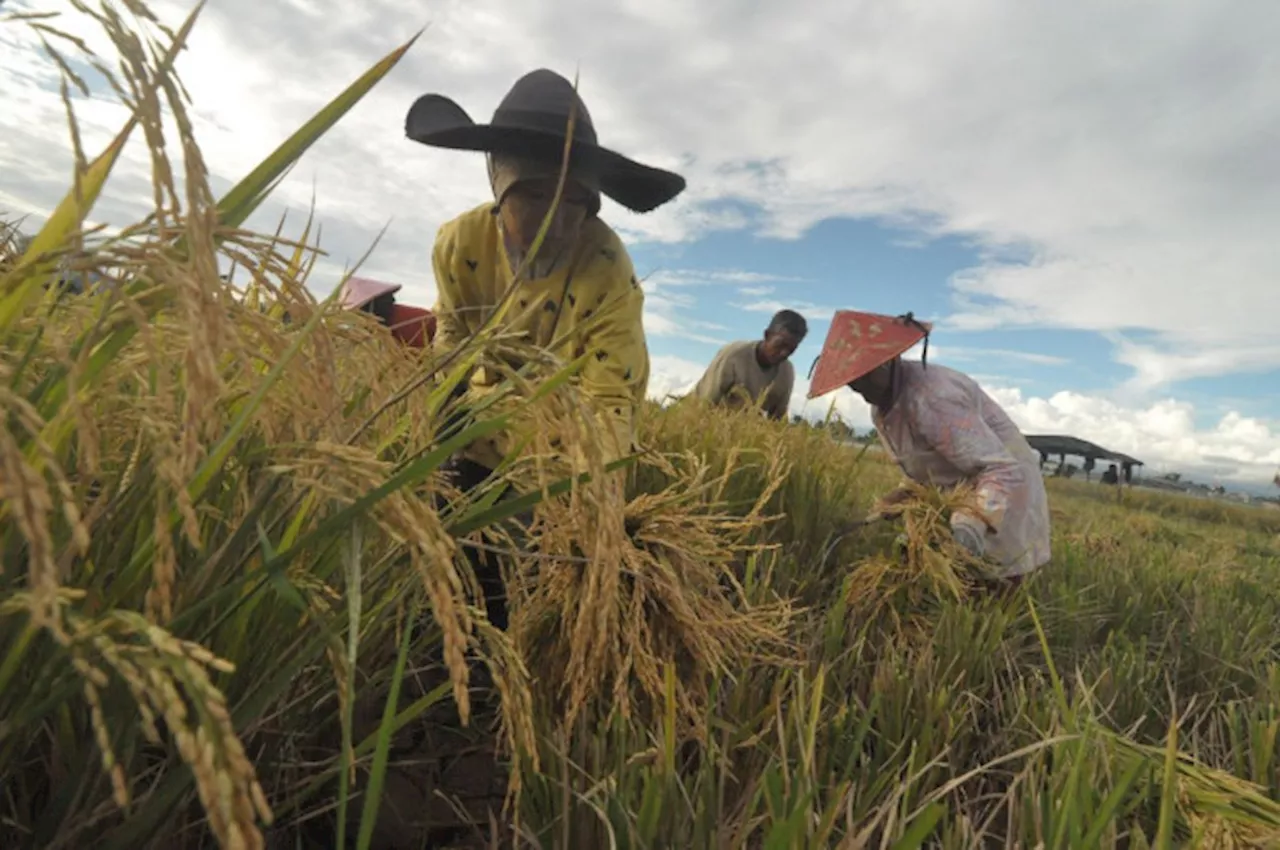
(1058, 444)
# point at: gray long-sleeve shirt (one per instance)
(735, 371)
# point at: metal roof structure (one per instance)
(1058, 444)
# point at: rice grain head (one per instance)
(931, 565)
(606, 615)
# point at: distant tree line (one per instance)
(837, 427)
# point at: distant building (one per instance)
(1061, 446)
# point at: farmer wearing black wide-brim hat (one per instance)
(580, 289)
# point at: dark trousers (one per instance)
(467, 475)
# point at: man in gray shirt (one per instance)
(742, 371)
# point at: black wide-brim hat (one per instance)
(532, 120)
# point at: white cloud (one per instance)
(843, 403)
(667, 313)
(671, 305)
(672, 376)
(993, 356)
(1126, 151)
(811, 312)
(715, 277)
(1153, 368)
(738, 276)
(1163, 435)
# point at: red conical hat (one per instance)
(359, 291)
(412, 325)
(859, 342)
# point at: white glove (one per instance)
(969, 533)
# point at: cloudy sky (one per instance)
(1081, 195)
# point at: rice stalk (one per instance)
(1225, 811)
(171, 680)
(601, 625)
(926, 567)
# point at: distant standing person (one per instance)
(943, 429)
(1111, 476)
(742, 371)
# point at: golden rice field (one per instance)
(233, 612)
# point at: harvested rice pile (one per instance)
(601, 620)
(926, 564)
(1223, 812)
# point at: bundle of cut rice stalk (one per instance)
(926, 565)
(602, 615)
(1220, 810)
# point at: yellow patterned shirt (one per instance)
(593, 304)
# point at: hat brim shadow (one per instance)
(439, 122)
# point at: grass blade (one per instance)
(373, 792)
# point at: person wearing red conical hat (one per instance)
(942, 429)
(413, 326)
